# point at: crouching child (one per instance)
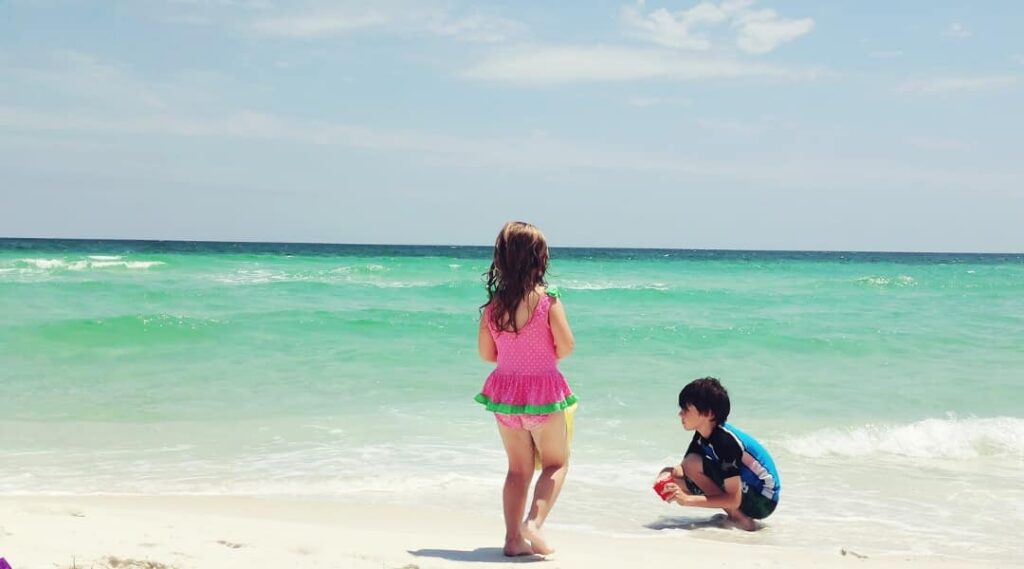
(723, 466)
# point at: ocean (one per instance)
(888, 387)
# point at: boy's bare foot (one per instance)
(517, 547)
(532, 533)
(721, 520)
(742, 521)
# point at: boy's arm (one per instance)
(730, 499)
(730, 455)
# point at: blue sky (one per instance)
(734, 124)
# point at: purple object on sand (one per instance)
(4, 564)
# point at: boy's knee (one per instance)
(693, 464)
(676, 471)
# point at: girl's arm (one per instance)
(485, 343)
(564, 342)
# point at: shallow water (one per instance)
(887, 386)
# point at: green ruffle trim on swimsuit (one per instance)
(553, 292)
(525, 409)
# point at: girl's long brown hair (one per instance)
(520, 261)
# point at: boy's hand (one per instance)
(673, 493)
(685, 499)
(661, 482)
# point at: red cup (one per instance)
(659, 486)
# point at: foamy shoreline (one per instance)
(157, 532)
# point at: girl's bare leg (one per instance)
(551, 439)
(519, 448)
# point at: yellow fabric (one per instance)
(570, 412)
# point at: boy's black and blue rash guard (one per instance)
(736, 453)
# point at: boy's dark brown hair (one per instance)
(706, 395)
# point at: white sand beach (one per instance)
(239, 532)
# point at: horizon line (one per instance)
(611, 248)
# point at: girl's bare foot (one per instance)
(517, 547)
(532, 533)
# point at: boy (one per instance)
(723, 467)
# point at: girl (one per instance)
(524, 330)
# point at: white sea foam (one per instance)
(339, 275)
(245, 277)
(397, 284)
(931, 438)
(80, 265)
(898, 281)
(92, 262)
(44, 263)
(577, 285)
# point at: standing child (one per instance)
(723, 467)
(524, 329)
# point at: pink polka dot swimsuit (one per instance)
(526, 380)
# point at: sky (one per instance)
(735, 124)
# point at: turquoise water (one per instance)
(888, 386)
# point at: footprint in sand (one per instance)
(118, 563)
(230, 544)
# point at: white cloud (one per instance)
(937, 143)
(87, 80)
(203, 12)
(758, 129)
(762, 31)
(389, 17)
(673, 30)
(644, 102)
(189, 20)
(476, 28)
(732, 128)
(528, 152)
(971, 84)
(316, 24)
(559, 64)
(756, 31)
(244, 4)
(957, 30)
